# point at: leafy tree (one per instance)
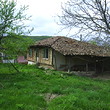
(14, 45)
(90, 17)
(99, 41)
(12, 28)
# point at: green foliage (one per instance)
(16, 45)
(63, 103)
(11, 18)
(28, 90)
(12, 28)
(37, 38)
(93, 42)
(105, 42)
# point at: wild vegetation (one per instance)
(39, 89)
(12, 29)
(37, 38)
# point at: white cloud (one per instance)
(43, 12)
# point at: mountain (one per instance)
(37, 38)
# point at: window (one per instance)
(45, 53)
(30, 52)
(37, 52)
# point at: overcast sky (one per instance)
(44, 14)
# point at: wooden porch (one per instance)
(86, 64)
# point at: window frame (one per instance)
(45, 53)
(30, 52)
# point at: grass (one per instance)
(38, 89)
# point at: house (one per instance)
(62, 53)
(20, 59)
(4, 59)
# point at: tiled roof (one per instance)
(68, 46)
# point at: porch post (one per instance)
(96, 66)
(69, 64)
(102, 67)
(86, 67)
(54, 58)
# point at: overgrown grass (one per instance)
(34, 88)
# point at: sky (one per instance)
(44, 17)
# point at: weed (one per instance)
(37, 89)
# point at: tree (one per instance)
(91, 17)
(99, 41)
(12, 28)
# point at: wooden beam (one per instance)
(54, 58)
(69, 64)
(86, 67)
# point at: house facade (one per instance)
(4, 59)
(62, 53)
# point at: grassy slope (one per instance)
(32, 90)
(37, 38)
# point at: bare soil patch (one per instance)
(50, 96)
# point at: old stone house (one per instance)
(62, 53)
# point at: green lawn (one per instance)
(38, 89)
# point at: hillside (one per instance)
(37, 38)
(39, 89)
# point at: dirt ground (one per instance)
(103, 76)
